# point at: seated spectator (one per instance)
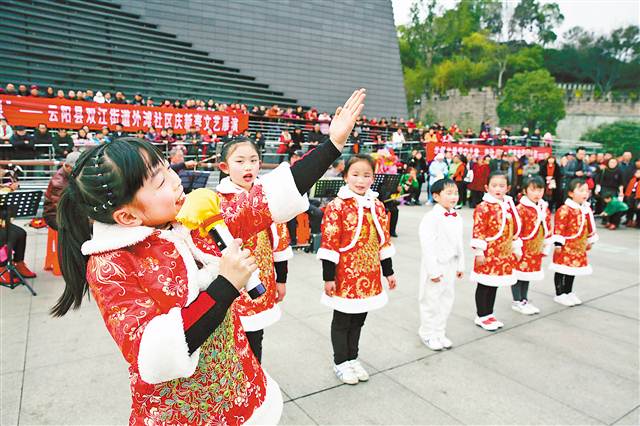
(409, 185)
(106, 134)
(99, 138)
(336, 169)
(5, 131)
(548, 139)
(613, 211)
(57, 184)
(311, 115)
(23, 146)
(290, 114)
(315, 137)
(273, 112)
(177, 162)
(107, 98)
(60, 94)
(171, 137)
(17, 238)
(120, 98)
(137, 99)
(139, 134)
(356, 141)
(260, 142)
(71, 94)
(299, 112)
(10, 90)
(98, 98)
(285, 143)
(535, 139)
(119, 132)
(151, 134)
(34, 91)
(297, 139)
(397, 139)
(82, 140)
(22, 90)
(325, 121)
(193, 141)
(62, 144)
(50, 93)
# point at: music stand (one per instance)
(192, 179)
(16, 204)
(385, 185)
(327, 188)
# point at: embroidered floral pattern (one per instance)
(568, 222)
(487, 221)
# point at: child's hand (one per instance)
(281, 291)
(459, 274)
(392, 281)
(481, 260)
(589, 246)
(345, 118)
(329, 288)
(436, 279)
(237, 265)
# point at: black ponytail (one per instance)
(104, 179)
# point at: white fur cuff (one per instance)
(593, 239)
(207, 274)
(281, 256)
(558, 239)
(517, 244)
(164, 353)
(387, 252)
(478, 244)
(330, 255)
(283, 198)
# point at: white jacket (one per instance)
(441, 242)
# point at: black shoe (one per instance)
(394, 235)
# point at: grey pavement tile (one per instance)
(624, 302)
(474, 394)
(572, 366)
(10, 392)
(84, 331)
(631, 419)
(91, 392)
(292, 415)
(379, 401)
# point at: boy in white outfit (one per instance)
(442, 262)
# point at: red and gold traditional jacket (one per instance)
(267, 246)
(536, 238)
(142, 277)
(575, 229)
(355, 236)
(496, 230)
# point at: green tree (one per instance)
(532, 99)
(617, 137)
(530, 18)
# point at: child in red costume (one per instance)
(189, 361)
(574, 233)
(355, 245)
(497, 247)
(240, 159)
(536, 238)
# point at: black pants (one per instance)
(476, 198)
(392, 209)
(563, 282)
(255, 341)
(345, 335)
(17, 241)
(462, 192)
(520, 290)
(485, 299)
(615, 218)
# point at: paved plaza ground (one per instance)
(564, 366)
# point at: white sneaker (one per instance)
(531, 308)
(446, 343)
(486, 323)
(519, 307)
(433, 343)
(359, 370)
(498, 323)
(345, 373)
(563, 299)
(574, 299)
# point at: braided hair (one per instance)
(104, 179)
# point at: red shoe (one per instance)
(612, 227)
(24, 270)
(631, 223)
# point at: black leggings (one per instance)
(392, 208)
(17, 241)
(520, 290)
(485, 299)
(563, 282)
(345, 335)
(255, 341)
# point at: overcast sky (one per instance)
(600, 16)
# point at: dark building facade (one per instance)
(313, 51)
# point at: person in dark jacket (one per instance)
(552, 175)
(608, 181)
(22, 144)
(41, 136)
(57, 184)
(315, 137)
(62, 144)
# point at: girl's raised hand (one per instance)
(345, 118)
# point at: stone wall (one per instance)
(478, 105)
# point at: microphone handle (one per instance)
(223, 238)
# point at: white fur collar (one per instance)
(542, 204)
(365, 200)
(491, 199)
(226, 186)
(569, 202)
(108, 237)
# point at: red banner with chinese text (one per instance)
(470, 151)
(62, 113)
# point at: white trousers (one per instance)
(436, 301)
